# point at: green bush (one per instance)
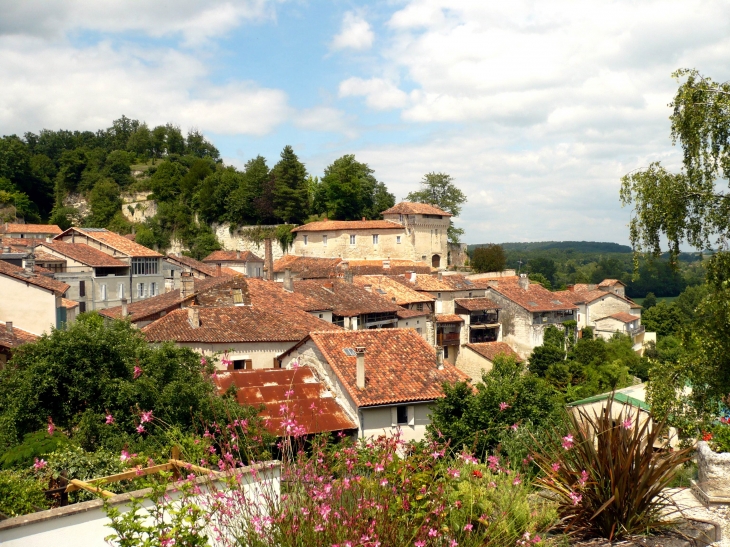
(21, 493)
(34, 445)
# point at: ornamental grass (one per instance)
(607, 473)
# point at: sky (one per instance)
(536, 109)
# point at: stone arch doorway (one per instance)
(435, 261)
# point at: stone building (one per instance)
(476, 359)
(244, 262)
(29, 231)
(408, 231)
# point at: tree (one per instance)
(649, 301)
(439, 189)
(489, 259)
(245, 204)
(544, 266)
(291, 196)
(105, 203)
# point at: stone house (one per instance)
(31, 301)
(130, 271)
(244, 262)
(11, 338)
(409, 231)
(29, 231)
(624, 323)
(308, 267)
(445, 289)
(527, 310)
(247, 336)
(596, 301)
(387, 379)
(475, 359)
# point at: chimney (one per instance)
(440, 276)
(348, 276)
(238, 254)
(386, 264)
(288, 281)
(29, 263)
(571, 288)
(9, 326)
(363, 218)
(6, 249)
(125, 312)
(413, 277)
(187, 284)
(194, 316)
(218, 269)
(360, 369)
(368, 288)
(268, 259)
(439, 357)
(523, 282)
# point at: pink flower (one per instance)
(140, 428)
(51, 427)
(433, 533)
(39, 464)
(125, 456)
(384, 482)
(419, 544)
(626, 424)
(503, 406)
(203, 361)
(516, 480)
(556, 466)
(576, 498)
(454, 473)
(583, 477)
(137, 372)
(436, 455)
(514, 427)
(109, 419)
(288, 393)
(468, 527)
(453, 543)
(379, 467)
(568, 442)
(295, 364)
(146, 417)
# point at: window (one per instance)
(102, 292)
(352, 240)
(140, 290)
(419, 330)
(401, 415)
(375, 239)
(243, 364)
(238, 296)
(321, 315)
(324, 241)
(145, 266)
(419, 306)
(121, 291)
(306, 239)
(400, 219)
(82, 307)
(439, 295)
(153, 289)
(397, 239)
(82, 288)
(446, 352)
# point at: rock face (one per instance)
(713, 471)
(237, 241)
(137, 208)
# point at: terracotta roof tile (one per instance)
(33, 278)
(447, 283)
(307, 398)
(623, 317)
(448, 318)
(377, 267)
(232, 256)
(534, 298)
(16, 338)
(611, 283)
(235, 324)
(113, 240)
(84, 254)
(345, 299)
(340, 225)
(18, 243)
(69, 304)
(405, 313)
(476, 304)
(30, 229)
(271, 294)
(400, 366)
(490, 350)
(306, 267)
(414, 208)
(190, 263)
(391, 289)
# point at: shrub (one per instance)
(607, 473)
(34, 445)
(21, 493)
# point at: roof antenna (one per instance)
(520, 266)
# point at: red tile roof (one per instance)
(69, 304)
(391, 289)
(611, 283)
(477, 304)
(400, 366)
(490, 350)
(448, 318)
(306, 267)
(447, 283)
(345, 299)
(16, 338)
(405, 313)
(377, 267)
(414, 208)
(534, 298)
(623, 317)
(234, 324)
(340, 225)
(30, 229)
(232, 256)
(84, 254)
(311, 404)
(38, 280)
(271, 294)
(18, 243)
(115, 241)
(192, 264)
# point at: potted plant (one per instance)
(713, 464)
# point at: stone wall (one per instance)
(137, 208)
(236, 241)
(605, 306)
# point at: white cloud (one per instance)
(355, 33)
(327, 119)
(380, 94)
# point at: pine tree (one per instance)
(291, 197)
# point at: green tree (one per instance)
(439, 189)
(649, 301)
(197, 145)
(140, 142)
(105, 203)
(247, 203)
(544, 266)
(290, 188)
(350, 191)
(489, 259)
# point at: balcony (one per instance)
(483, 319)
(554, 318)
(636, 330)
(477, 336)
(450, 338)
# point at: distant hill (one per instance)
(578, 246)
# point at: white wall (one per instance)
(84, 524)
(261, 353)
(380, 421)
(29, 307)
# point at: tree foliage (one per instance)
(488, 259)
(439, 189)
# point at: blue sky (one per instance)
(535, 108)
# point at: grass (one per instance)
(666, 299)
